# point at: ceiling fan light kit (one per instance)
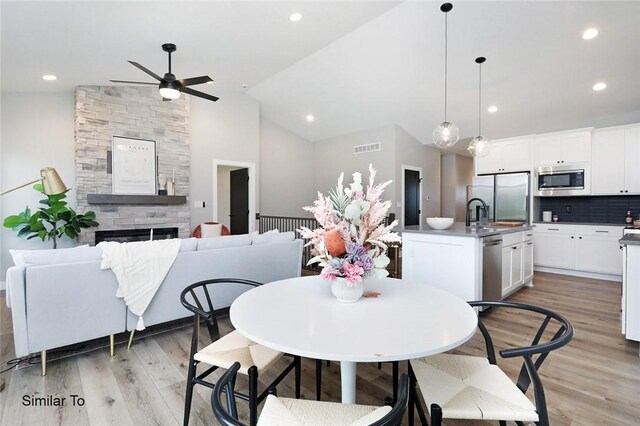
(479, 146)
(446, 134)
(170, 87)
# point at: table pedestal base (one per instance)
(348, 382)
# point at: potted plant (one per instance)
(52, 221)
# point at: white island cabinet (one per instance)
(452, 259)
(630, 317)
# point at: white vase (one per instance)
(345, 292)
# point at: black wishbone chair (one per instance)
(294, 412)
(482, 390)
(224, 351)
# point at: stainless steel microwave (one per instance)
(564, 180)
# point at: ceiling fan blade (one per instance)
(134, 82)
(195, 80)
(151, 73)
(199, 94)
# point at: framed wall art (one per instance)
(134, 166)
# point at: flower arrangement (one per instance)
(352, 240)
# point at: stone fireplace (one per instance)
(129, 235)
(137, 112)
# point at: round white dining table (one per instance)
(300, 316)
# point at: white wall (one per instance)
(410, 152)
(223, 130)
(287, 168)
(335, 155)
(37, 131)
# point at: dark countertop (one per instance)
(580, 223)
(630, 239)
(458, 229)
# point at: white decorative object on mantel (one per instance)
(134, 166)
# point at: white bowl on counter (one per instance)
(440, 222)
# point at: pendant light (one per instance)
(446, 134)
(479, 146)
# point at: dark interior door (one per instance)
(239, 202)
(411, 197)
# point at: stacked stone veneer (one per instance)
(104, 112)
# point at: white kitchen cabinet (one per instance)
(512, 262)
(616, 155)
(506, 155)
(562, 148)
(597, 249)
(588, 248)
(527, 257)
(554, 246)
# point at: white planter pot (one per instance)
(346, 293)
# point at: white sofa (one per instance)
(62, 297)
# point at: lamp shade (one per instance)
(446, 135)
(51, 182)
(479, 146)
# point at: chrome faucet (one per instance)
(468, 212)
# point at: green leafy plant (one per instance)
(51, 222)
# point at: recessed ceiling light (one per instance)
(244, 86)
(310, 118)
(295, 17)
(590, 33)
(49, 77)
(599, 86)
(492, 108)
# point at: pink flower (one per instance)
(352, 273)
(328, 273)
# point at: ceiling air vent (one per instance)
(361, 149)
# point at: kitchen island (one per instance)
(463, 260)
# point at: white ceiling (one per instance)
(354, 65)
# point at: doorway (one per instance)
(239, 201)
(411, 195)
(234, 195)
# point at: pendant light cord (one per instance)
(445, 65)
(480, 101)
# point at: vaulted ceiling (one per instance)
(353, 65)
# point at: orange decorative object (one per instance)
(198, 234)
(334, 243)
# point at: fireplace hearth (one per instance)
(130, 235)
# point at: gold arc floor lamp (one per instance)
(51, 185)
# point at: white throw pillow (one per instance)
(227, 241)
(209, 231)
(27, 258)
(276, 237)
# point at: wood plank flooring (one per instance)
(593, 381)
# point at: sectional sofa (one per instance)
(61, 297)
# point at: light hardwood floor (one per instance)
(593, 381)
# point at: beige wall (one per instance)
(457, 172)
(287, 168)
(223, 130)
(37, 131)
(410, 152)
(335, 155)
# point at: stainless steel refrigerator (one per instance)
(506, 195)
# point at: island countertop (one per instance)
(459, 229)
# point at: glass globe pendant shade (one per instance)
(446, 135)
(479, 146)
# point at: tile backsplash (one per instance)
(603, 209)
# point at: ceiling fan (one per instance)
(170, 87)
